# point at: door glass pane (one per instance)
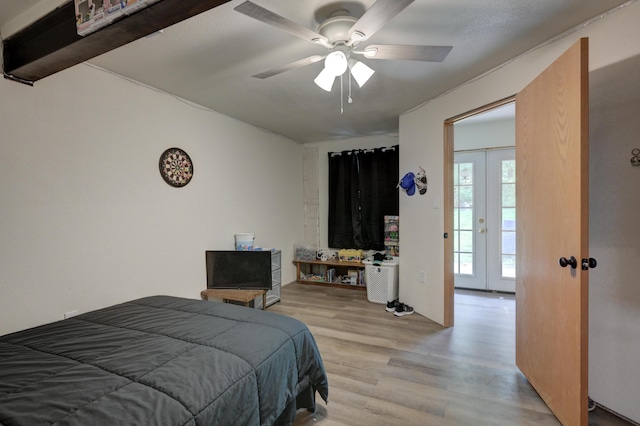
(508, 195)
(466, 218)
(508, 242)
(508, 266)
(508, 171)
(466, 263)
(466, 241)
(463, 217)
(466, 174)
(509, 219)
(466, 196)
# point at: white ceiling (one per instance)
(12, 8)
(503, 112)
(209, 59)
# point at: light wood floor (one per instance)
(385, 370)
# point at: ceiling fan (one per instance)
(342, 34)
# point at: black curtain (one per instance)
(343, 199)
(362, 190)
(378, 177)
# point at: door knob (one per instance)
(482, 230)
(572, 261)
(589, 263)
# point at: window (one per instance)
(362, 190)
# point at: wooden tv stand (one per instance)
(237, 295)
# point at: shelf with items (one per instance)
(331, 273)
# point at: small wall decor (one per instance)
(635, 160)
(408, 183)
(421, 181)
(176, 167)
(411, 181)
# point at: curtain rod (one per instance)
(366, 150)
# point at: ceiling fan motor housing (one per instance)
(336, 28)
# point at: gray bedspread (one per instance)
(160, 361)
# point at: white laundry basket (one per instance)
(382, 281)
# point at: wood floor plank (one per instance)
(387, 371)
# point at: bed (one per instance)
(161, 360)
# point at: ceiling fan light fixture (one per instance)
(336, 63)
(325, 79)
(360, 71)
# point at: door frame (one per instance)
(448, 202)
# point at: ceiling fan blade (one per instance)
(376, 17)
(254, 11)
(293, 65)
(406, 52)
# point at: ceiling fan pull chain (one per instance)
(341, 96)
(349, 99)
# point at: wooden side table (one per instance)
(243, 296)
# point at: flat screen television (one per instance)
(246, 270)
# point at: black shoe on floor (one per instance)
(402, 310)
(591, 405)
(391, 306)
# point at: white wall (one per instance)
(611, 39)
(85, 217)
(485, 134)
(614, 238)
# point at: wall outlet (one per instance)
(70, 314)
(423, 277)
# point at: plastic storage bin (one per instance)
(382, 280)
(244, 242)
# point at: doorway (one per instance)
(484, 218)
(470, 122)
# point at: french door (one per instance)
(484, 223)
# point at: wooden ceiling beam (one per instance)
(52, 43)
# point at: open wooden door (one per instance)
(552, 223)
